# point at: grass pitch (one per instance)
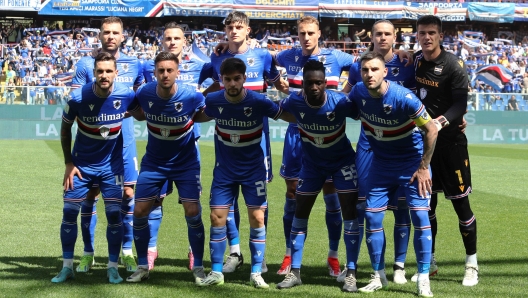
(31, 212)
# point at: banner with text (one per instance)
(20, 5)
(361, 9)
(277, 9)
(201, 8)
(104, 8)
(449, 12)
(521, 12)
(491, 12)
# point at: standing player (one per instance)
(189, 74)
(389, 115)
(239, 114)
(259, 68)
(172, 156)
(442, 85)
(383, 39)
(97, 158)
(293, 61)
(321, 120)
(129, 73)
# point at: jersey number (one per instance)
(261, 188)
(459, 176)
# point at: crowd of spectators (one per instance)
(39, 65)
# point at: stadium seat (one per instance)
(494, 107)
(498, 102)
(521, 103)
(501, 108)
(525, 108)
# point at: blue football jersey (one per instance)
(334, 61)
(238, 132)
(129, 73)
(389, 122)
(98, 142)
(322, 129)
(170, 126)
(259, 67)
(396, 72)
(189, 71)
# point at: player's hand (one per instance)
(404, 55)
(463, 125)
(69, 173)
(221, 48)
(425, 183)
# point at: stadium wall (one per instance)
(43, 123)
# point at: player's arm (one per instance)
(423, 174)
(288, 117)
(138, 114)
(282, 85)
(214, 87)
(459, 95)
(404, 55)
(66, 142)
(200, 116)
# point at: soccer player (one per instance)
(389, 115)
(97, 158)
(259, 68)
(171, 155)
(129, 73)
(383, 39)
(189, 73)
(326, 151)
(442, 85)
(239, 114)
(293, 61)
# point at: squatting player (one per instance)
(383, 39)
(130, 74)
(326, 151)
(173, 40)
(259, 68)
(238, 113)
(442, 85)
(293, 61)
(171, 155)
(96, 158)
(389, 116)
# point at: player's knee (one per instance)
(401, 216)
(191, 209)
(70, 211)
(328, 188)
(256, 218)
(332, 202)
(193, 221)
(291, 186)
(374, 220)
(420, 218)
(113, 213)
(217, 218)
(462, 208)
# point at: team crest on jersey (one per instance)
(322, 59)
(186, 66)
(117, 104)
(330, 116)
(165, 132)
(423, 93)
(296, 58)
(248, 111)
(250, 61)
(379, 133)
(461, 63)
(438, 69)
(319, 140)
(235, 138)
(91, 107)
(123, 66)
(364, 102)
(104, 131)
(178, 106)
(387, 108)
(150, 104)
(395, 71)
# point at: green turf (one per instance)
(31, 211)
